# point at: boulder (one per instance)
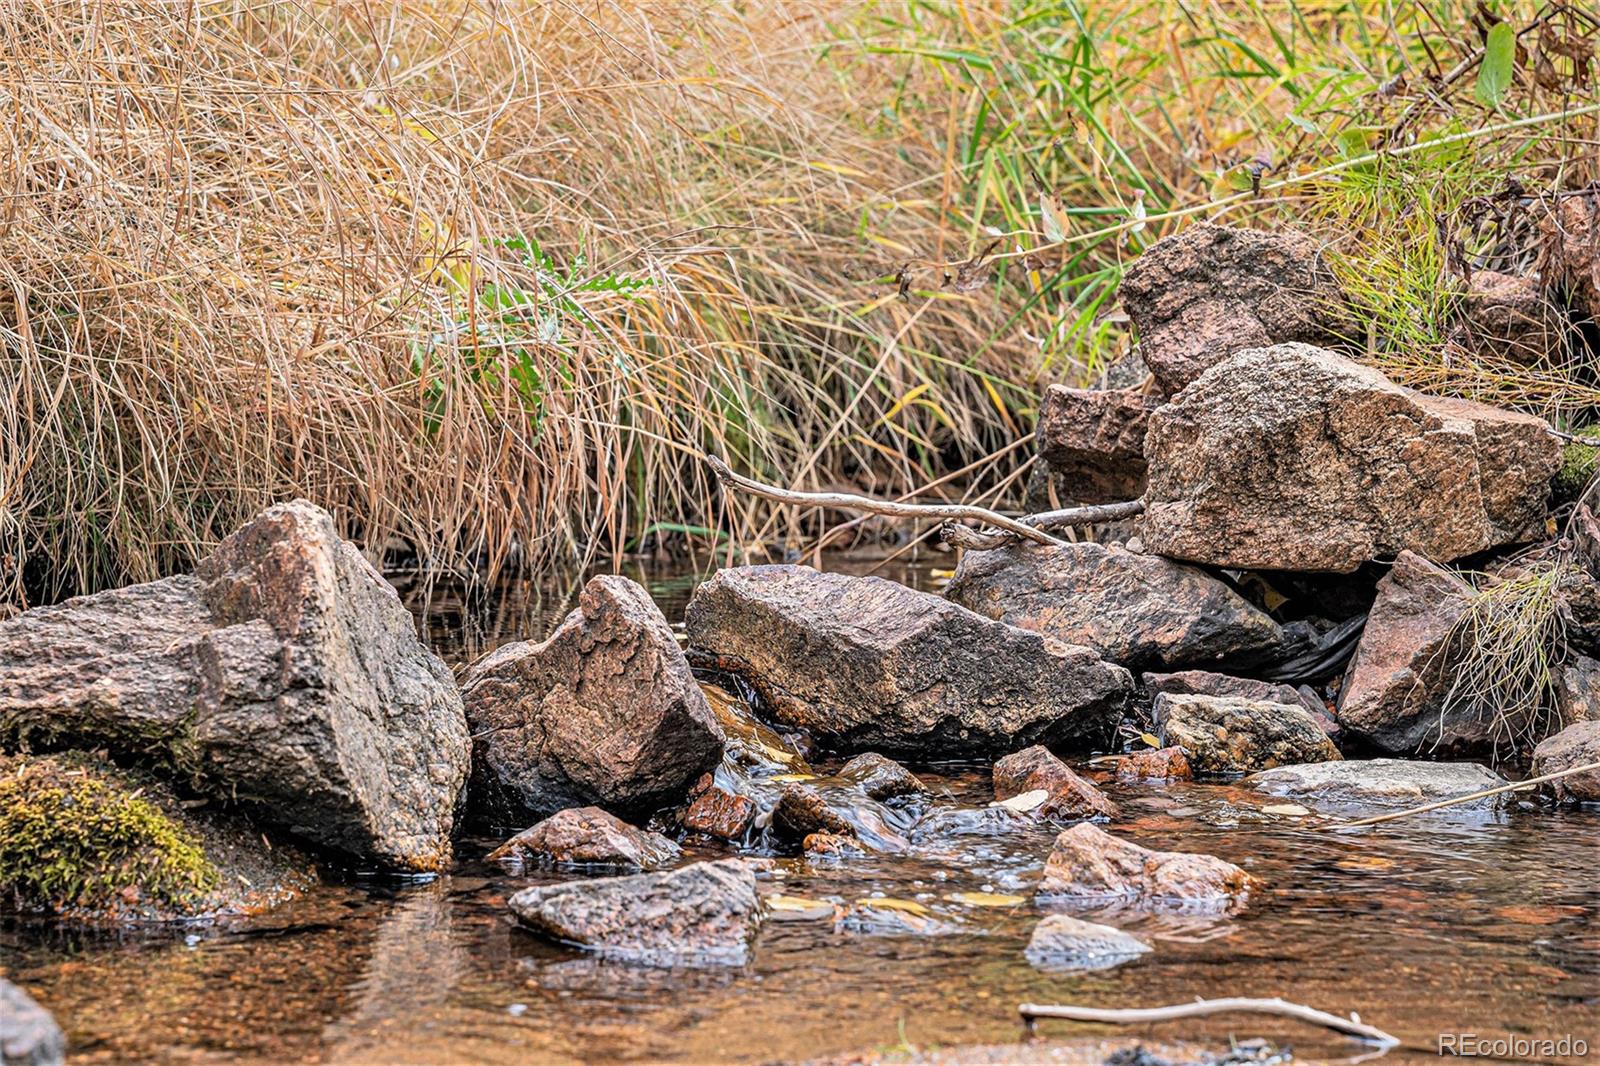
(802, 811)
(1505, 316)
(284, 674)
(1061, 942)
(1155, 764)
(881, 778)
(1576, 745)
(586, 836)
(1089, 865)
(1070, 796)
(704, 914)
(1093, 440)
(1204, 683)
(1395, 688)
(1295, 458)
(1570, 261)
(604, 712)
(1379, 782)
(1229, 734)
(718, 812)
(1201, 295)
(29, 1036)
(1577, 689)
(866, 664)
(1142, 611)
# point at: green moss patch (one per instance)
(80, 838)
(1578, 462)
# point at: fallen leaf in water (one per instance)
(1364, 862)
(778, 755)
(1535, 915)
(800, 906)
(1024, 802)
(985, 899)
(890, 903)
(785, 778)
(1290, 810)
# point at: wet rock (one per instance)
(863, 663)
(717, 812)
(1577, 688)
(29, 1036)
(1295, 458)
(1228, 734)
(1201, 295)
(1576, 745)
(1204, 683)
(586, 836)
(969, 821)
(1379, 782)
(604, 712)
(284, 674)
(881, 778)
(1088, 864)
(705, 914)
(1093, 440)
(1134, 609)
(802, 811)
(892, 918)
(1062, 942)
(1396, 686)
(1070, 796)
(82, 839)
(1506, 316)
(1155, 764)
(834, 846)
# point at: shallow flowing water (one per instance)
(1487, 924)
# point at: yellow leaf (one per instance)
(777, 755)
(985, 899)
(890, 903)
(785, 778)
(1025, 802)
(1150, 739)
(1292, 810)
(799, 905)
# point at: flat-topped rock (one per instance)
(1379, 782)
(586, 836)
(1229, 734)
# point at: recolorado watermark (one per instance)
(1476, 1045)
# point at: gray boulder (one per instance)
(1205, 683)
(284, 674)
(1379, 782)
(1093, 441)
(604, 712)
(705, 914)
(1228, 734)
(1061, 942)
(1295, 458)
(1141, 611)
(866, 664)
(29, 1036)
(1209, 291)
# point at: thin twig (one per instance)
(1513, 787)
(958, 536)
(852, 501)
(1136, 1015)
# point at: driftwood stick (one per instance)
(1135, 1016)
(851, 501)
(1513, 787)
(958, 536)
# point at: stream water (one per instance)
(1486, 924)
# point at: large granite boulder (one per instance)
(1379, 783)
(1093, 440)
(284, 674)
(1068, 796)
(586, 836)
(1295, 458)
(1141, 611)
(1089, 865)
(1229, 734)
(1203, 294)
(705, 914)
(605, 712)
(1577, 745)
(866, 664)
(29, 1036)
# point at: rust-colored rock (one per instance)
(1070, 795)
(1155, 764)
(1227, 734)
(867, 664)
(586, 836)
(1576, 745)
(1133, 609)
(1207, 292)
(1093, 440)
(716, 812)
(881, 778)
(1090, 865)
(604, 712)
(1510, 317)
(1295, 458)
(802, 811)
(832, 846)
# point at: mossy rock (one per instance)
(1578, 463)
(83, 839)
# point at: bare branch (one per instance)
(1137, 1015)
(958, 536)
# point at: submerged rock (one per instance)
(969, 821)
(802, 811)
(1576, 745)
(29, 1036)
(1137, 610)
(717, 812)
(1295, 458)
(1093, 440)
(1155, 764)
(863, 663)
(881, 778)
(1088, 864)
(82, 839)
(1069, 796)
(586, 836)
(1062, 942)
(705, 914)
(604, 712)
(284, 674)
(1379, 782)
(1227, 734)
(1207, 292)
